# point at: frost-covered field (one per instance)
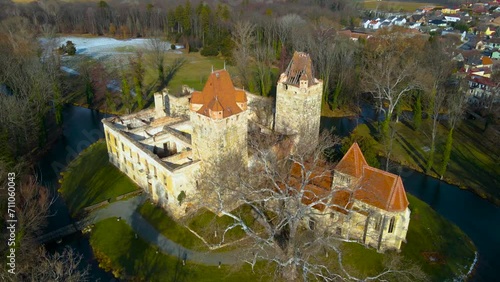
(108, 50)
(105, 47)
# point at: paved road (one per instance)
(126, 210)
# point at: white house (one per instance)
(452, 19)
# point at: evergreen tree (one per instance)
(89, 92)
(417, 111)
(58, 105)
(447, 153)
(110, 103)
(126, 96)
(361, 135)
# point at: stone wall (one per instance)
(162, 183)
(212, 138)
(260, 109)
(368, 225)
(178, 105)
(298, 110)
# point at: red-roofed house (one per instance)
(358, 202)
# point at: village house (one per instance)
(164, 149)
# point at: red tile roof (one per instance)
(219, 98)
(353, 161)
(381, 189)
(375, 187)
(487, 60)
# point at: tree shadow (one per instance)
(172, 69)
(412, 151)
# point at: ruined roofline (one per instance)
(143, 117)
(299, 68)
(139, 146)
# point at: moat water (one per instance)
(477, 217)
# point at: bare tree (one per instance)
(263, 56)
(157, 48)
(456, 108)
(322, 48)
(244, 40)
(345, 79)
(287, 29)
(42, 266)
(437, 78)
(391, 70)
(276, 189)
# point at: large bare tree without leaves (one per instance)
(322, 48)
(438, 64)
(456, 102)
(244, 40)
(391, 70)
(277, 232)
(157, 49)
(33, 262)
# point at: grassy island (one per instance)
(91, 179)
(440, 248)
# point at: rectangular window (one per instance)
(378, 222)
(338, 231)
(391, 224)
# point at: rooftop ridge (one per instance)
(354, 167)
(219, 94)
(378, 170)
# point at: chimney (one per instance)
(159, 105)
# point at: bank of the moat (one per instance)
(472, 214)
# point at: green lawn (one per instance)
(474, 158)
(194, 72)
(174, 231)
(91, 178)
(428, 233)
(203, 222)
(130, 257)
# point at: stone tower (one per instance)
(219, 119)
(298, 99)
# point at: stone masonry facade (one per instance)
(164, 149)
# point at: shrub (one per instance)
(70, 48)
(209, 50)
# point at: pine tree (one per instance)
(417, 112)
(126, 96)
(447, 153)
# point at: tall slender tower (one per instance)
(298, 99)
(218, 115)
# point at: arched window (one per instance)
(312, 224)
(391, 224)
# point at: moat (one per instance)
(477, 217)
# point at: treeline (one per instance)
(37, 84)
(195, 23)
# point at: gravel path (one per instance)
(126, 210)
